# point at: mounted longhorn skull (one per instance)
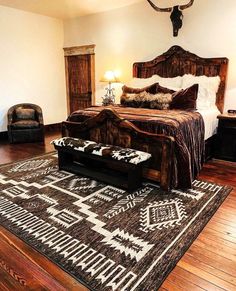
(176, 15)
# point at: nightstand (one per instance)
(226, 138)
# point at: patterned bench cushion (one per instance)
(114, 152)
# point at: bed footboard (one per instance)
(108, 127)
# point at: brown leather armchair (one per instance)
(25, 123)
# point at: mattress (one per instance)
(210, 121)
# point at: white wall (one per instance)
(138, 33)
(31, 64)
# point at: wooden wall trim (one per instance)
(79, 50)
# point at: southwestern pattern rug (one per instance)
(103, 236)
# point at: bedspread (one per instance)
(186, 127)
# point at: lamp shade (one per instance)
(110, 77)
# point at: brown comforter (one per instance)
(186, 127)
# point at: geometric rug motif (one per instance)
(103, 236)
(162, 214)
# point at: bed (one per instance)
(175, 138)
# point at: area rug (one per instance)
(101, 235)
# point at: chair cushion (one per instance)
(27, 124)
(25, 113)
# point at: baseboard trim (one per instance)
(47, 128)
(3, 135)
(52, 127)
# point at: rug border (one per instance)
(229, 189)
(44, 255)
(25, 159)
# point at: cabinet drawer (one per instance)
(227, 130)
(227, 123)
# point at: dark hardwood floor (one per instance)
(209, 264)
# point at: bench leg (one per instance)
(135, 177)
(64, 160)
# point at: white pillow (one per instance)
(141, 82)
(171, 83)
(208, 87)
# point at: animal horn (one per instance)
(190, 3)
(160, 9)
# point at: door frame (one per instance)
(76, 51)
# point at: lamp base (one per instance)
(109, 98)
(107, 101)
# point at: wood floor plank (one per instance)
(222, 235)
(230, 229)
(213, 259)
(205, 266)
(182, 283)
(223, 251)
(186, 272)
(227, 216)
(225, 229)
(222, 220)
(216, 281)
(170, 286)
(217, 237)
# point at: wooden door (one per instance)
(79, 81)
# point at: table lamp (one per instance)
(109, 98)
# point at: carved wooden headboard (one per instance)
(177, 62)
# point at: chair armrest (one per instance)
(10, 114)
(40, 117)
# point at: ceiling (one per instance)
(64, 9)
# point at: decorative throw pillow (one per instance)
(185, 99)
(150, 89)
(25, 113)
(135, 99)
(160, 101)
(147, 100)
(161, 89)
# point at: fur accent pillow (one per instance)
(160, 101)
(147, 100)
(134, 99)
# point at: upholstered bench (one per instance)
(115, 165)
